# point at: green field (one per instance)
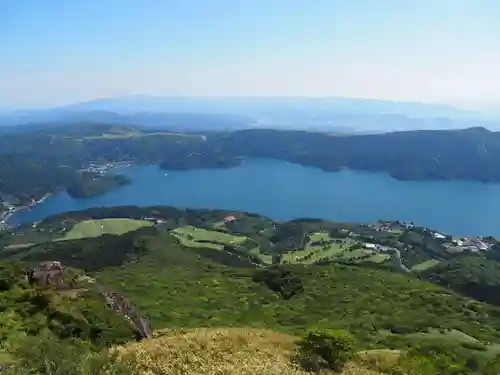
(377, 258)
(320, 247)
(425, 265)
(312, 254)
(19, 246)
(191, 236)
(95, 228)
(194, 237)
(451, 335)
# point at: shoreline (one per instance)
(26, 207)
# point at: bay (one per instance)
(285, 191)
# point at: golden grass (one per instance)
(223, 351)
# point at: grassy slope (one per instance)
(425, 265)
(320, 246)
(95, 228)
(198, 237)
(69, 229)
(299, 241)
(222, 351)
(178, 288)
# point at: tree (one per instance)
(329, 349)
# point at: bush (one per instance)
(326, 349)
(280, 280)
(48, 355)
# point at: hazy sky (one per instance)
(62, 51)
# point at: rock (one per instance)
(127, 310)
(47, 274)
(54, 275)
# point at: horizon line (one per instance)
(451, 105)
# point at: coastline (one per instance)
(25, 207)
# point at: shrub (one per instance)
(48, 355)
(326, 349)
(280, 280)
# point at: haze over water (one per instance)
(285, 191)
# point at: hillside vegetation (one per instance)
(226, 351)
(42, 160)
(220, 281)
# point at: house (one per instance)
(481, 245)
(382, 248)
(229, 219)
(438, 236)
(370, 246)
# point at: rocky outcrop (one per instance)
(127, 310)
(47, 274)
(54, 275)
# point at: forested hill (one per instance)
(180, 270)
(412, 155)
(37, 160)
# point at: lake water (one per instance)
(285, 191)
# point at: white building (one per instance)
(438, 236)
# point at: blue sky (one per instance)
(61, 51)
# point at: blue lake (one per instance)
(285, 191)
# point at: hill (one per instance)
(45, 159)
(199, 262)
(231, 351)
(476, 276)
(63, 301)
(193, 268)
(253, 239)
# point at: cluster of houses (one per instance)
(468, 244)
(459, 244)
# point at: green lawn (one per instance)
(331, 251)
(194, 237)
(378, 258)
(425, 265)
(312, 254)
(95, 228)
(191, 236)
(452, 335)
(19, 245)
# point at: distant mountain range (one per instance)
(320, 114)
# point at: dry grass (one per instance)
(380, 358)
(227, 351)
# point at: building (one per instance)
(438, 236)
(229, 219)
(481, 245)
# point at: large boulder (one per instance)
(47, 274)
